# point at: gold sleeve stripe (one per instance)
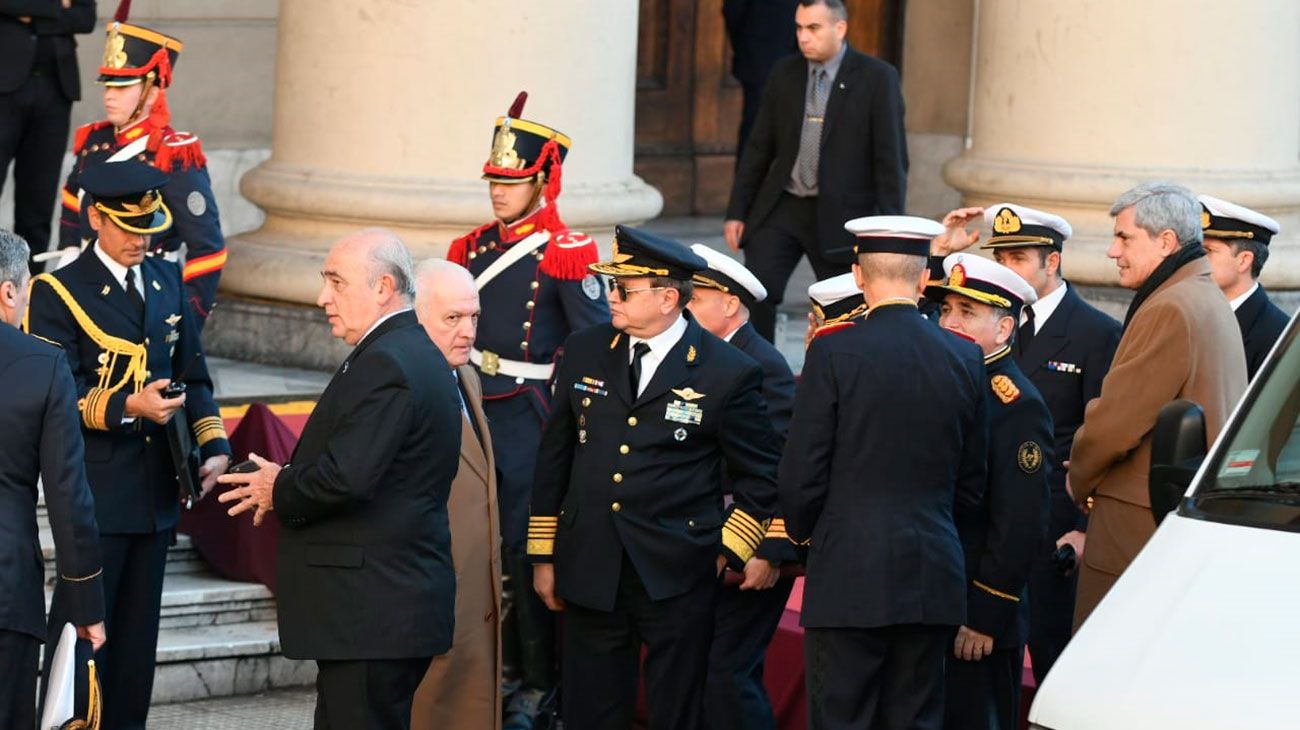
(94, 408)
(541, 546)
(207, 429)
(745, 531)
(996, 592)
(92, 576)
(743, 549)
(746, 526)
(776, 530)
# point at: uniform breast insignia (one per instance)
(680, 412)
(196, 203)
(172, 320)
(1029, 457)
(680, 434)
(173, 336)
(1004, 389)
(593, 389)
(614, 342)
(1064, 367)
(688, 393)
(591, 287)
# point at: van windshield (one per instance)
(1256, 479)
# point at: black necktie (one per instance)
(639, 351)
(1026, 334)
(133, 294)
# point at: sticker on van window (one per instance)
(1239, 463)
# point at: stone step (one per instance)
(224, 660)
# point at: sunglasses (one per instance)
(614, 285)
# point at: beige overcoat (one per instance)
(462, 688)
(1183, 342)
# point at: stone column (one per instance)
(1076, 102)
(383, 117)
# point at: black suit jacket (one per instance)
(365, 557)
(643, 475)
(18, 40)
(41, 437)
(889, 437)
(129, 464)
(1066, 361)
(1261, 324)
(778, 394)
(863, 164)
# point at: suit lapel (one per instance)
(1052, 337)
(617, 367)
(673, 370)
(1250, 310)
(840, 85)
(472, 451)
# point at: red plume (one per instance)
(516, 108)
(123, 11)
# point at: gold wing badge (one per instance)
(688, 394)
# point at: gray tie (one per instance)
(810, 136)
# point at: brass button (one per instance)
(519, 381)
(631, 420)
(529, 304)
(146, 341)
(616, 506)
(528, 325)
(690, 523)
(523, 345)
(148, 440)
(623, 449)
(618, 478)
(586, 402)
(541, 256)
(533, 285)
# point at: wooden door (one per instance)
(688, 104)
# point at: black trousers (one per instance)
(1051, 595)
(18, 653)
(34, 122)
(133, 578)
(735, 697)
(367, 695)
(887, 678)
(601, 651)
(773, 251)
(984, 695)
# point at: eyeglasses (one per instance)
(614, 285)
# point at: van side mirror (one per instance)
(1177, 448)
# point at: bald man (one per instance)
(462, 688)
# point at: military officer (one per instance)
(836, 304)
(136, 70)
(122, 319)
(1064, 346)
(1236, 243)
(981, 301)
(896, 399)
(749, 608)
(628, 530)
(531, 272)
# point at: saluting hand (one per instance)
(254, 490)
(971, 645)
(149, 403)
(955, 236)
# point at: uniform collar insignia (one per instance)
(688, 393)
(690, 354)
(614, 342)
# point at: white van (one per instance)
(1203, 630)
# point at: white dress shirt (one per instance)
(1238, 301)
(1043, 308)
(380, 321)
(660, 344)
(119, 271)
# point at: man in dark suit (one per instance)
(749, 609)
(761, 33)
(889, 437)
(981, 301)
(1064, 346)
(1236, 244)
(628, 531)
(122, 319)
(828, 146)
(41, 438)
(367, 587)
(38, 83)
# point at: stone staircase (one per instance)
(217, 637)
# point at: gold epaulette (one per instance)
(95, 404)
(741, 534)
(541, 534)
(207, 429)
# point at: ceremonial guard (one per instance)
(628, 532)
(122, 319)
(750, 604)
(1003, 535)
(889, 433)
(136, 70)
(532, 277)
(1236, 243)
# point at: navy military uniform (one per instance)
(1065, 354)
(628, 501)
(136, 55)
(745, 621)
(114, 350)
(889, 436)
(836, 304)
(1004, 534)
(529, 307)
(41, 436)
(1261, 320)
